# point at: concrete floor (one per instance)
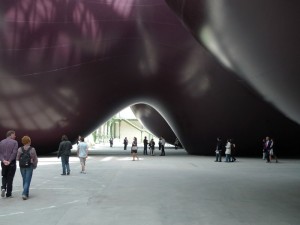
(170, 190)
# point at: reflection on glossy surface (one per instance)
(68, 66)
(258, 40)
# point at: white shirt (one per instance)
(82, 149)
(228, 148)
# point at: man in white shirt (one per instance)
(82, 152)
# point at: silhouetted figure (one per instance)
(163, 142)
(264, 151)
(145, 146)
(159, 144)
(233, 151)
(125, 142)
(111, 142)
(267, 147)
(272, 152)
(218, 150)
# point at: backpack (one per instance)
(25, 159)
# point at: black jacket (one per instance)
(64, 148)
(219, 146)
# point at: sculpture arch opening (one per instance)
(64, 72)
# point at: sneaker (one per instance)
(9, 196)
(3, 193)
(24, 197)
(63, 174)
(68, 173)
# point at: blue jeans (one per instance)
(65, 164)
(26, 175)
(228, 157)
(219, 156)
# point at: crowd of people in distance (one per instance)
(147, 144)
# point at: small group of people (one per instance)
(10, 153)
(268, 150)
(151, 145)
(26, 155)
(64, 152)
(230, 150)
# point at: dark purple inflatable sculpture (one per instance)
(196, 70)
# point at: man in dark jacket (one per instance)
(145, 146)
(64, 151)
(8, 154)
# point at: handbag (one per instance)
(134, 147)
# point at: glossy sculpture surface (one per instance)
(209, 68)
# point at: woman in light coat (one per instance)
(228, 151)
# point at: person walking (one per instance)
(218, 150)
(8, 154)
(125, 143)
(134, 149)
(145, 146)
(163, 142)
(28, 161)
(64, 151)
(82, 153)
